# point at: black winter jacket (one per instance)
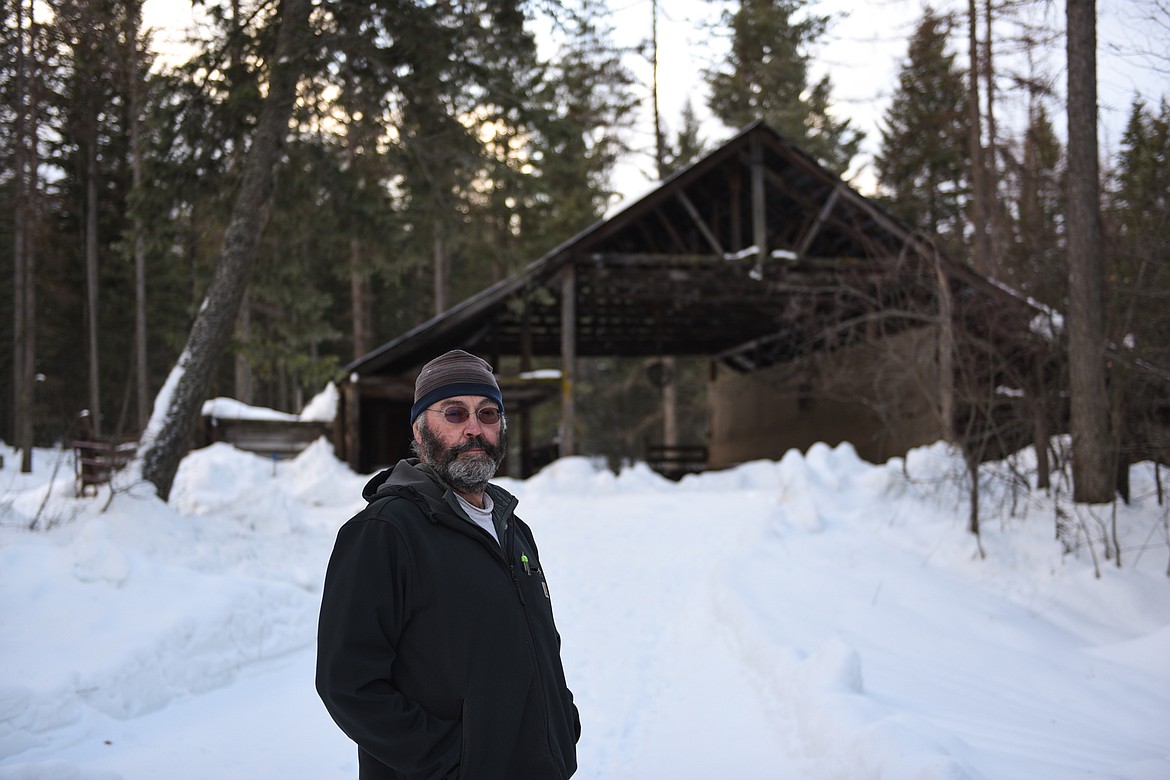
(436, 648)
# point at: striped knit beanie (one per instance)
(451, 374)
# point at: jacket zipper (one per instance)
(544, 701)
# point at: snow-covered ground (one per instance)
(813, 618)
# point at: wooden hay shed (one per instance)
(755, 258)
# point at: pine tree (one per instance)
(1035, 259)
(582, 105)
(1139, 221)
(922, 163)
(688, 145)
(767, 76)
(1138, 272)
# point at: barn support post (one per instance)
(525, 412)
(759, 224)
(568, 359)
(736, 210)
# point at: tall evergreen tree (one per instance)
(922, 163)
(1034, 261)
(94, 318)
(766, 76)
(442, 74)
(688, 144)
(1139, 221)
(582, 105)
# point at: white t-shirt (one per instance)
(481, 517)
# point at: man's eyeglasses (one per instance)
(457, 415)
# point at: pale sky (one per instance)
(862, 55)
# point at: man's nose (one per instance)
(473, 427)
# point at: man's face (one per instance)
(467, 454)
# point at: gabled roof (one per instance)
(740, 256)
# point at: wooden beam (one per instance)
(668, 226)
(815, 228)
(699, 223)
(525, 416)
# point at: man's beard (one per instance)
(470, 473)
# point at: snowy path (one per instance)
(667, 696)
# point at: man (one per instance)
(436, 648)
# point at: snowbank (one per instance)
(815, 617)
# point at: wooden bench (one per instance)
(97, 461)
(676, 461)
(271, 438)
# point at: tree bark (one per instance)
(980, 240)
(990, 171)
(442, 273)
(132, 32)
(23, 279)
(359, 300)
(245, 387)
(91, 258)
(1093, 475)
(168, 436)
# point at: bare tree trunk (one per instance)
(973, 517)
(980, 242)
(359, 297)
(23, 278)
(1093, 474)
(141, 373)
(670, 436)
(1041, 432)
(442, 274)
(91, 266)
(133, 90)
(168, 436)
(991, 207)
(659, 137)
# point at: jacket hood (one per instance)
(411, 473)
(408, 472)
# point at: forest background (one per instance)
(437, 147)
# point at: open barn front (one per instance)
(882, 397)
